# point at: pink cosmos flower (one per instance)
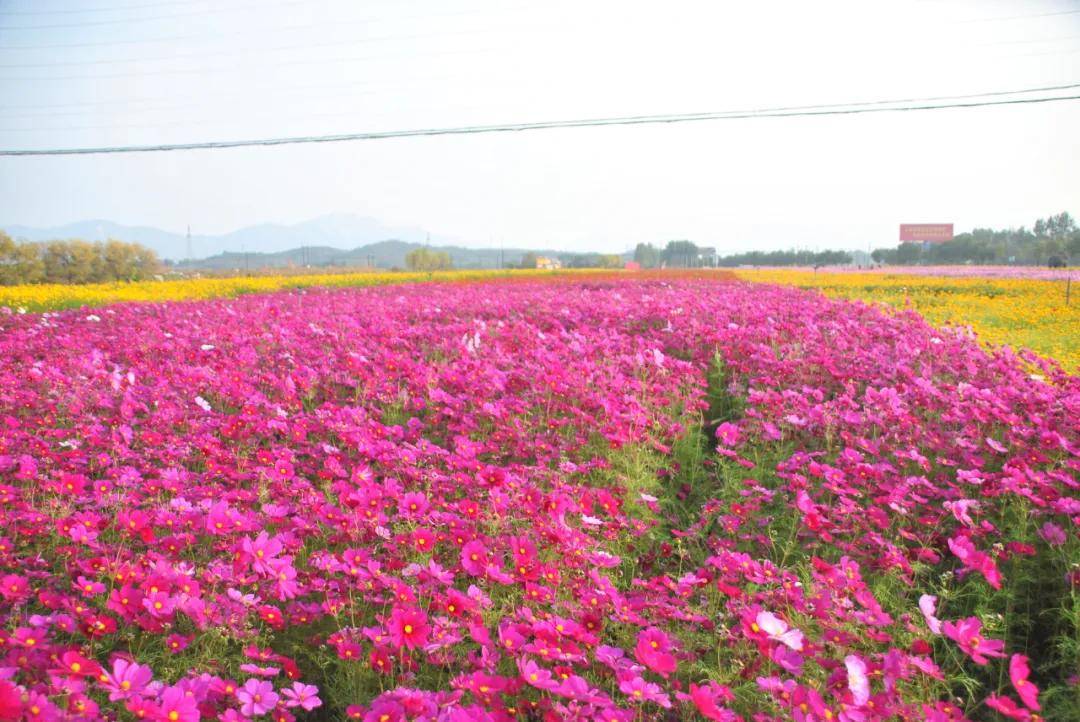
(14, 588)
(966, 633)
(413, 505)
(638, 690)
(652, 650)
(928, 607)
(257, 697)
(1018, 673)
(10, 702)
(706, 699)
(787, 658)
(408, 627)
(381, 711)
(535, 675)
(305, 696)
(1008, 708)
(975, 560)
(1053, 534)
(38, 708)
(261, 550)
(160, 605)
(474, 558)
(176, 706)
(728, 434)
(858, 682)
(779, 631)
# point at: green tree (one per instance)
(680, 254)
(427, 260)
(19, 262)
(530, 260)
(74, 261)
(647, 255)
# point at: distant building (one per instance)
(548, 264)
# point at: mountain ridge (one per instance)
(343, 231)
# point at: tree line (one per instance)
(427, 259)
(1052, 241)
(74, 261)
(685, 254)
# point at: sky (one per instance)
(135, 72)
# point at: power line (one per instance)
(306, 113)
(516, 127)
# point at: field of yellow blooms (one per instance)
(51, 297)
(1022, 313)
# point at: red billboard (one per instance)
(930, 232)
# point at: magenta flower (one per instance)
(408, 627)
(728, 434)
(10, 702)
(1007, 707)
(858, 682)
(413, 505)
(160, 605)
(652, 650)
(707, 698)
(638, 690)
(261, 550)
(928, 607)
(14, 588)
(535, 675)
(305, 696)
(176, 706)
(1053, 534)
(474, 558)
(779, 631)
(1018, 673)
(966, 633)
(257, 697)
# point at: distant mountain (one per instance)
(166, 244)
(382, 254)
(338, 231)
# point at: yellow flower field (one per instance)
(1022, 313)
(50, 297)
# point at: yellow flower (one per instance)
(1021, 313)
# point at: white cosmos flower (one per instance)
(778, 630)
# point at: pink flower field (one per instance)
(606, 499)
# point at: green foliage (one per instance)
(426, 259)
(647, 255)
(1036, 613)
(1053, 240)
(591, 260)
(787, 258)
(681, 254)
(73, 261)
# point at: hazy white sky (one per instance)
(124, 72)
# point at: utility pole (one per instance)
(189, 242)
